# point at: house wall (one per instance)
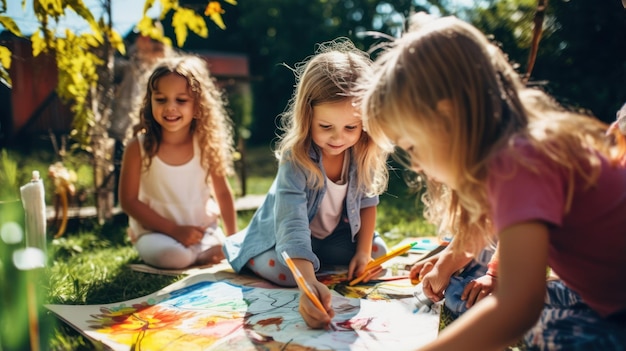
(37, 110)
(34, 102)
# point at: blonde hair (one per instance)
(450, 60)
(211, 124)
(327, 77)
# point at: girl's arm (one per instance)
(364, 239)
(226, 202)
(129, 200)
(435, 276)
(501, 319)
(291, 212)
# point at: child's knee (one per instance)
(170, 258)
(275, 273)
(379, 248)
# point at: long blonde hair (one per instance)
(326, 77)
(211, 124)
(450, 60)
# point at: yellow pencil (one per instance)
(380, 260)
(302, 283)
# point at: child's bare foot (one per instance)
(211, 255)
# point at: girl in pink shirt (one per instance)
(509, 160)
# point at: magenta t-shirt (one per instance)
(588, 244)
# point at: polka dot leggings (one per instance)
(336, 249)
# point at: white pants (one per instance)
(163, 251)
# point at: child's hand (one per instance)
(419, 270)
(477, 289)
(357, 266)
(434, 282)
(189, 235)
(312, 315)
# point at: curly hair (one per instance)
(212, 126)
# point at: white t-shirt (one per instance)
(331, 207)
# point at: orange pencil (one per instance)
(302, 283)
(380, 260)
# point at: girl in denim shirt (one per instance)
(321, 207)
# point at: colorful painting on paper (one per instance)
(198, 314)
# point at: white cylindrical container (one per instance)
(33, 200)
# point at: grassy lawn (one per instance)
(88, 265)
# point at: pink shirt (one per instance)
(588, 244)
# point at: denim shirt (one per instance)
(282, 220)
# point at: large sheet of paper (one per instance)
(199, 313)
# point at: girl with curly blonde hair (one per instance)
(173, 183)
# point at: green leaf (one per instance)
(91, 40)
(38, 43)
(196, 23)
(52, 8)
(184, 19)
(79, 7)
(10, 25)
(146, 27)
(167, 6)
(117, 42)
(180, 27)
(5, 57)
(147, 6)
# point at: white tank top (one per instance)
(177, 192)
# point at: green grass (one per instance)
(89, 264)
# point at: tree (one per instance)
(581, 54)
(580, 58)
(583, 58)
(279, 33)
(85, 68)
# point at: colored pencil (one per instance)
(380, 260)
(302, 283)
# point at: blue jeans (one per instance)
(453, 302)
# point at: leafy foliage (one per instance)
(8, 177)
(5, 53)
(185, 19)
(79, 56)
